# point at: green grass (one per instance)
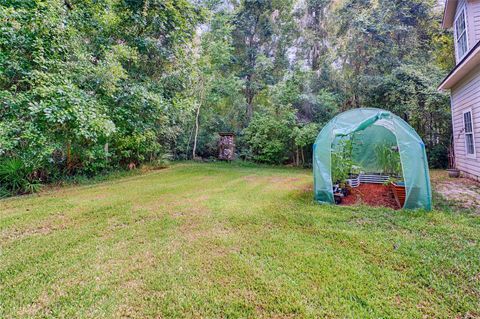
(229, 241)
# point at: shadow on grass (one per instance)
(305, 197)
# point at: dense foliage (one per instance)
(87, 86)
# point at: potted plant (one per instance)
(339, 193)
(342, 165)
(339, 178)
(453, 172)
(353, 179)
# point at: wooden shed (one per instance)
(226, 146)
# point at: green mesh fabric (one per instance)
(369, 127)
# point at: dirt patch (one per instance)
(40, 305)
(277, 182)
(375, 195)
(283, 179)
(464, 192)
(276, 179)
(251, 178)
(53, 223)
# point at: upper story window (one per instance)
(461, 37)
(469, 137)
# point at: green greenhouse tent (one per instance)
(368, 128)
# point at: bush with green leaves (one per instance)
(90, 86)
(84, 90)
(438, 156)
(268, 137)
(342, 161)
(304, 137)
(137, 148)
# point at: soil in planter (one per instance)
(376, 195)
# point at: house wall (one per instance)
(465, 96)
(473, 13)
(473, 20)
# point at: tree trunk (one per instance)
(105, 149)
(68, 4)
(189, 140)
(69, 157)
(251, 60)
(249, 95)
(297, 158)
(196, 132)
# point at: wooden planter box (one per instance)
(399, 192)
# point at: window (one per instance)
(461, 38)
(469, 138)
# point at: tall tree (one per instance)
(260, 44)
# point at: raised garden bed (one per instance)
(398, 189)
(377, 195)
(371, 178)
(353, 181)
(371, 189)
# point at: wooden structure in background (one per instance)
(226, 146)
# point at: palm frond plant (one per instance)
(16, 178)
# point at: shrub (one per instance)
(17, 178)
(161, 162)
(269, 138)
(94, 160)
(304, 138)
(137, 148)
(438, 156)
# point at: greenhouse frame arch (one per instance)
(369, 127)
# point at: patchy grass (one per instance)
(460, 192)
(220, 240)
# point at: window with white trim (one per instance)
(461, 37)
(468, 129)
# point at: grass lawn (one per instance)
(230, 241)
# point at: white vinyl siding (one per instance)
(461, 33)
(466, 98)
(473, 13)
